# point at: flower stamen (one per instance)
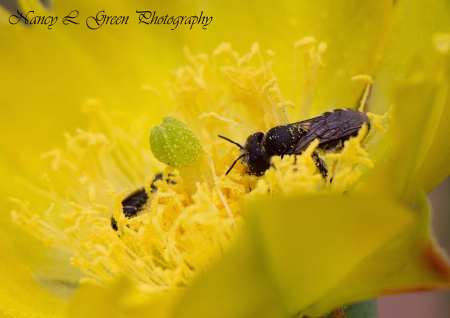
(368, 79)
(312, 68)
(227, 120)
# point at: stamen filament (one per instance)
(216, 116)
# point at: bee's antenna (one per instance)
(233, 142)
(234, 164)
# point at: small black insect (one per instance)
(331, 128)
(136, 201)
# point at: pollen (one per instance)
(344, 163)
(291, 175)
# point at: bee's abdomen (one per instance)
(136, 202)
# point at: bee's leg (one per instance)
(335, 145)
(320, 164)
(338, 313)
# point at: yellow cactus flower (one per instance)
(202, 242)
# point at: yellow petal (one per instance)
(237, 286)
(434, 167)
(120, 300)
(418, 104)
(353, 30)
(21, 296)
(410, 262)
(414, 28)
(432, 162)
(414, 22)
(48, 75)
(293, 253)
(415, 105)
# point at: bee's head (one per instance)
(256, 160)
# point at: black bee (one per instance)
(136, 201)
(331, 128)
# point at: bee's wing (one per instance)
(310, 125)
(328, 127)
(325, 134)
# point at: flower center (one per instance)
(177, 233)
